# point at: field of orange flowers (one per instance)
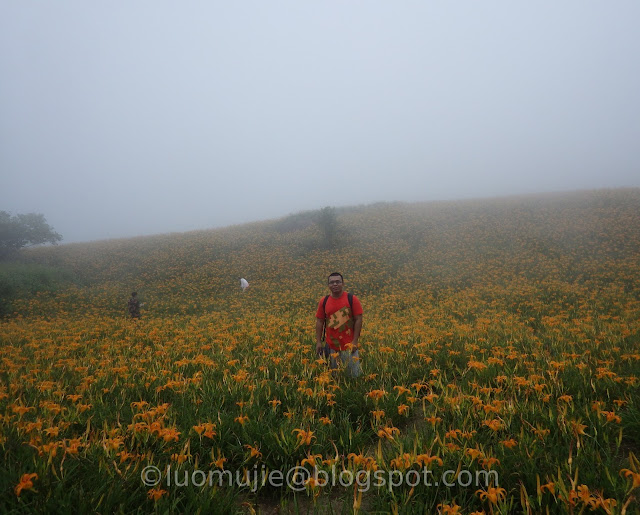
(500, 356)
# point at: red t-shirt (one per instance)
(339, 320)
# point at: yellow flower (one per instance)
(311, 460)
(170, 434)
(26, 483)
(475, 453)
(549, 487)
(52, 431)
(376, 394)
(447, 509)
(401, 390)
(453, 433)
(314, 482)
(433, 420)
(304, 437)
(180, 458)
(377, 414)
(493, 495)
(427, 459)
(388, 432)
(156, 493)
(219, 463)
(21, 410)
(477, 365)
(242, 419)
(611, 416)
(254, 451)
(634, 476)
(494, 425)
(488, 463)
(578, 429)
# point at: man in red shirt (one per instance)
(339, 316)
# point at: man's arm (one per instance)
(357, 327)
(319, 331)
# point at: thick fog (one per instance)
(125, 118)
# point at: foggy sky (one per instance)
(127, 118)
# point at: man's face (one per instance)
(335, 285)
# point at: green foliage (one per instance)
(24, 230)
(328, 223)
(20, 280)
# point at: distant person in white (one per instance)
(243, 284)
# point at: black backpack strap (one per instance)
(350, 298)
(324, 310)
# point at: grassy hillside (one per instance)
(500, 335)
(581, 239)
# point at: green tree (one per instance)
(328, 224)
(26, 230)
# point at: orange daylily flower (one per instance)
(377, 415)
(494, 425)
(156, 493)
(242, 419)
(634, 476)
(25, 483)
(376, 394)
(611, 416)
(549, 487)
(493, 495)
(304, 437)
(388, 432)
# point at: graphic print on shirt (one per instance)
(341, 322)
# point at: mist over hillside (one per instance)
(434, 247)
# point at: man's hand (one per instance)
(319, 348)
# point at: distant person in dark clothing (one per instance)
(134, 305)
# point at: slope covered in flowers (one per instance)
(500, 341)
